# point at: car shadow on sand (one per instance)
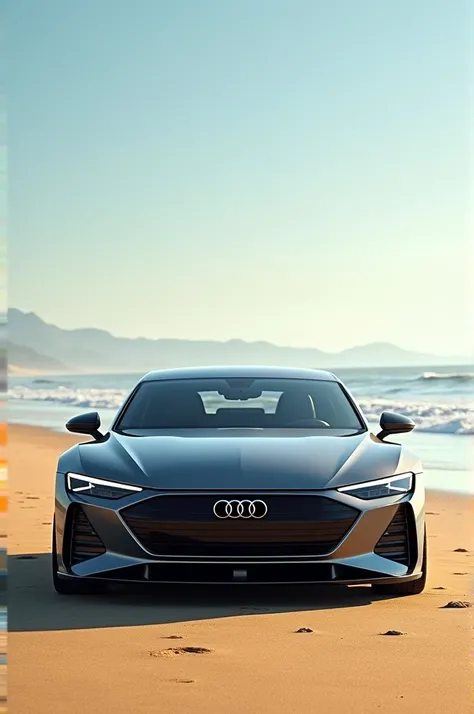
(33, 605)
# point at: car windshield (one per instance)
(239, 403)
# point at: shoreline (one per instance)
(69, 440)
(66, 440)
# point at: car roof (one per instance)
(226, 372)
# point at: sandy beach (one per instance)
(111, 653)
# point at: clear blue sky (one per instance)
(289, 171)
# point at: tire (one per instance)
(68, 586)
(412, 587)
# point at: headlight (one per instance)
(88, 486)
(393, 486)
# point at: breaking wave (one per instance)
(90, 398)
(437, 418)
(447, 377)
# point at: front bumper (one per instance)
(355, 559)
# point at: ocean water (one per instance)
(440, 400)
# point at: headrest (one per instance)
(293, 406)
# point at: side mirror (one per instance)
(85, 424)
(392, 423)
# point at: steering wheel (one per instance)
(311, 423)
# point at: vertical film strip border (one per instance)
(3, 525)
(3, 560)
(3, 373)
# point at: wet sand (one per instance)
(120, 652)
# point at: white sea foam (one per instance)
(89, 398)
(447, 418)
(448, 377)
(439, 418)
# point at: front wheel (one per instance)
(68, 586)
(412, 587)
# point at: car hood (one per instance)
(240, 461)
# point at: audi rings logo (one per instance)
(240, 509)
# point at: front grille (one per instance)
(394, 544)
(85, 543)
(186, 526)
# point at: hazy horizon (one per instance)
(294, 173)
(375, 345)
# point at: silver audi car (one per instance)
(239, 475)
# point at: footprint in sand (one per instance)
(458, 604)
(393, 633)
(173, 651)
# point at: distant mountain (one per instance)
(93, 350)
(26, 358)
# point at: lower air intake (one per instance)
(394, 544)
(85, 543)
